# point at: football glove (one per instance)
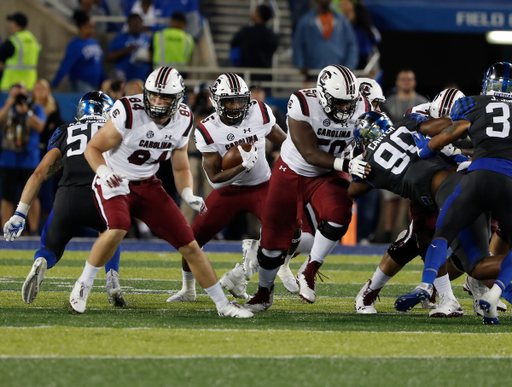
(14, 226)
(422, 143)
(109, 177)
(249, 158)
(358, 167)
(194, 202)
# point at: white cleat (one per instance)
(488, 302)
(365, 299)
(306, 279)
(448, 307)
(287, 277)
(250, 257)
(234, 282)
(261, 301)
(501, 306)
(114, 294)
(232, 309)
(78, 297)
(34, 280)
(476, 289)
(183, 296)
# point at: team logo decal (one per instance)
(115, 114)
(231, 137)
(290, 103)
(327, 122)
(365, 89)
(325, 76)
(150, 134)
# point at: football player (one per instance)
(487, 120)
(144, 130)
(369, 88)
(237, 120)
(313, 168)
(74, 204)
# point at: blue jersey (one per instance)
(128, 64)
(83, 61)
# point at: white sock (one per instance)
(89, 274)
(217, 295)
(322, 247)
(443, 286)
(189, 282)
(306, 243)
(267, 277)
(379, 279)
(495, 291)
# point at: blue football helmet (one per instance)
(370, 126)
(498, 80)
(94, 103)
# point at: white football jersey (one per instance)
(212, 135)
(334, 138)
(144, 143)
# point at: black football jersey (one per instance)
(491, 121)
(71, 140)
(397, 167)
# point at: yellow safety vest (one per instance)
(172, 47)
(22, 66)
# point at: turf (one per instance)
(152, 342)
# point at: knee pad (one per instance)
(405, 248)
(330, 232)
(270, 263)
(50, 257)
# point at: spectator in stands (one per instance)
(396, 106)
(367, 35)
(135, 86)
(130, 51)
(172, 46)
(83, 59)
(21, 122)
(191, 10)
(149, 12)
(255, 45)
(19, 54)
(298, 8)
(114, 88)
(324, 37)
(91, 8)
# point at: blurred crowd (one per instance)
(165, 32)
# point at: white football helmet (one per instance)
(443, 102)
(167, 83)
(337, 85)
(371, 90)
(229, 87)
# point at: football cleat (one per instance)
(114, 294)
(234, 282)
(306, 279)
(448, 307)
(261, 301)
(488, 304)
(476, 289)
(287, 277)
(431, 302)
(78, 297)
(420, 293)
(250, 257)
(34, 280)
(232, 309)
(365, 299)
(183, 296)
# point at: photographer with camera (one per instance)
(21, 122)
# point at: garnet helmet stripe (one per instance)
(349, 81)
(447, 102)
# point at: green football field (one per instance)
(154, 343)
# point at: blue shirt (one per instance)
(312, 51)
(31, 157)
(83, 62)
(127, 64)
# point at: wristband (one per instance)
(22, 208)
(187, 192)
(341, 164)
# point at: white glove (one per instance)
(449, 150)
(109, 177)
(249, 158)
(194, 202)
(15, 226)
(357, 167)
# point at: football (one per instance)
(232, 158)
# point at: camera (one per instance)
(116, 85)
(20, 99)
